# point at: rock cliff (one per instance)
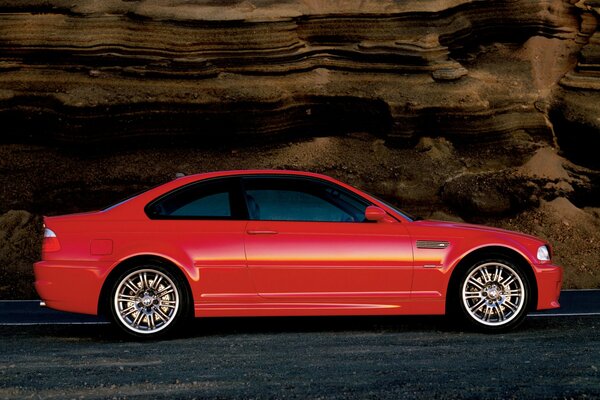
(475, 109)
(105, 71)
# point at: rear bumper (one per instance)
(69, 286)
(549, 282)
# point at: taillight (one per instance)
(50, 243)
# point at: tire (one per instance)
(493, 295)
(148, 301)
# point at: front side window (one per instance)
(299, 199)
(204, 200)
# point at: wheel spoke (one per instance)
(477, 305)
(165, 291)
(161, 314)
(156, 283)
(125, 297)
(499, 278)
(145, 284)
(168, 304)
(509, 280)
(501, 315)
(483, 276)
(137, 320)
(128, 311)
(495, 278)
(487, 313)
(511, 306)
(488, 275)
(132, 286)
(151, 322)
(475, 283)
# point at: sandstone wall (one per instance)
(101, 71)
(475, 109)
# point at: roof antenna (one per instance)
(179, 175)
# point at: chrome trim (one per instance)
(432, 244)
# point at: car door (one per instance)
(307, 241)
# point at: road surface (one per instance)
(64, 356)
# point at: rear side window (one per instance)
(204, 200)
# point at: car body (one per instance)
(284, 243)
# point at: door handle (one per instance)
(261, 232)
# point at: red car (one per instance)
(283, 243)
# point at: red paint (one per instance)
(268, 268)
(101, 247)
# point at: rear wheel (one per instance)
(147, 301)
(494, 295)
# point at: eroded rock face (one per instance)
(106, 71)
(576, 104)
(478, 110)
(20, 245)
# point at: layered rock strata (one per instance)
(577, 103)
(100, 71)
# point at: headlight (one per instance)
(543, 254)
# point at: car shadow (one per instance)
(270, 325)
(215, 327)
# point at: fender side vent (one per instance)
(432, 244)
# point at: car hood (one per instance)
(473, 227)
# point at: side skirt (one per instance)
(265, 309)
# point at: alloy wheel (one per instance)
(493, 294)
(146, 301)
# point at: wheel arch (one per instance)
(487, 251)
(138, 259)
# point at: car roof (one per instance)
(206, 175)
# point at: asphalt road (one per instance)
(334, 358)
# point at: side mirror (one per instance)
(374, 213)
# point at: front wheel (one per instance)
(147, 301)
(494, 295)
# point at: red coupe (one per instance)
(283, 243)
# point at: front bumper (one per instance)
(549, 282)
(69, 286)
